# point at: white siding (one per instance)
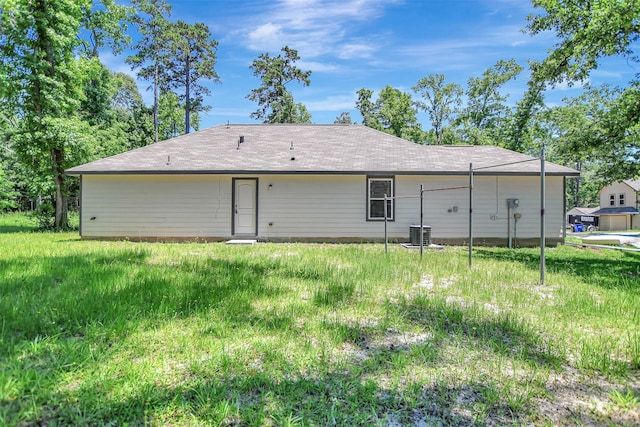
(490, 194)
(312, 206)
(156, 206)
(616, 189)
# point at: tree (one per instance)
(481, 118)
(367, 108)
(126, 95)
(604, 127)
(440, 101)
(518, 134)
(393, 112)
(8, 193)
(38, 39)
(134, 119)
(106, 24)
(97, 87)
(287, 111)
(343, 119)
(151, 48)
(170, 121)
(587, 31)
(272, 97)
(192, 59)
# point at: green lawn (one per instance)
(124, 333)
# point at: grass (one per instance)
(123, 333)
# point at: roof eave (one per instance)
(71, 172)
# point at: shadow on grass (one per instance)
(63, 295)
(327, 394)
(64, 315)
(607, 269)
(504, 335)
(261, 399)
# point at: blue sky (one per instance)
(351, 44)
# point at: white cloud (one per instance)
(332, 103)
(357, 49)
(266, 34)
(315, 28)
(318, 67)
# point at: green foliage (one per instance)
(521, 133)
(170, 116)
(134, 121)
(276, 104)
(43, 215)
(126, 95)
(286, 110)
(343, 119)
(107, 24)
(71, 136)
(8, 194)
(481, 121)
(140, 127)
(440, 101)
(43, 76)
(98, 89)
(393, 112)
(587, 30)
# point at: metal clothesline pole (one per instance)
(470, 215)
(421, 220)
(542, 207)
(386, 238)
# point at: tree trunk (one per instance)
(187, 102)
(62, 217)
(156, 78)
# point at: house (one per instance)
(619, 205)
(316, 183)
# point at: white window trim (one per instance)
(612, 199)
(622, 199)
(391, 201)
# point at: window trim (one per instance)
(392, 179)
(622, 199)
(612, 199)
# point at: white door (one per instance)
(244, 209)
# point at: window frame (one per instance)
(622, 199)
(612, 199)
(391, 201)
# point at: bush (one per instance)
(45, 215)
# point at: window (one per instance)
(612, 199)
(621, 199)
(376, 190)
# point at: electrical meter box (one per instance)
(513, 203)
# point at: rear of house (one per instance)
(315, 183)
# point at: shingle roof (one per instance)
(623, 210)
(322, 149)
(633, 183)
(582, 211)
